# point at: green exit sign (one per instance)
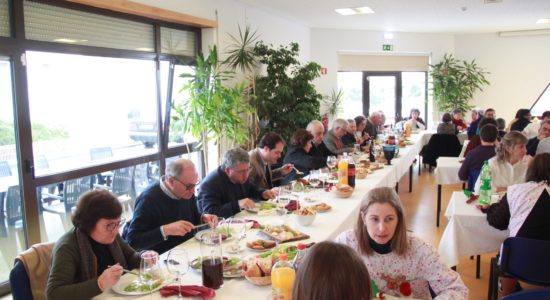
(387, 47)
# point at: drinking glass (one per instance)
(323, 175)
(240, 227)
(283, 199)
(149, 270)
(314, 178)
(332, 161)
(177, 264)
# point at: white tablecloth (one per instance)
(446, 171)
(326, 226)
(467, 232)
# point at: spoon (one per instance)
(298, 172)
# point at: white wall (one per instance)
(519, 66)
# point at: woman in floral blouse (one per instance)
(400, 264)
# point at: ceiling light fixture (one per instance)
(388, 36)
(348, 11)
(543, 21)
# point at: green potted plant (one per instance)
(454, 83)
(286, 97)
(333, 103)
(241, 57)
(212, 111)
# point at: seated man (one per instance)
(318, 149)
(475, 158)
(333, 138)
(544, 132)
(166, 211)
(269, 150)
(226, 190)
(373, 123)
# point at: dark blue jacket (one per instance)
(219, 196)
(153, 209)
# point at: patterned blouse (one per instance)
(521, 200)
(420, 266)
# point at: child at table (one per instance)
(400, 264)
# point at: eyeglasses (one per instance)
(244, 171)
(115, 224)
(188, 186)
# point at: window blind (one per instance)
(4, 18)
(177, 42)
(62, 25)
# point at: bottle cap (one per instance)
(301, 246)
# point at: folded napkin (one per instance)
(188, 291)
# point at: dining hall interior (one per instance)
(94, 97)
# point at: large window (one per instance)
(90, 89)
(89, 110)
(12, 238)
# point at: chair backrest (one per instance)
(123, 182)
(526, 259)
(441, 145)
(14, 210)
(539, 294)
(36, 262)
(19, 282)
(101, 153)
(5, 169)
(72, 189)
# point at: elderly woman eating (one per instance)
(90, 258)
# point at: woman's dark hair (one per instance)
(416, 110)
(359, 119)
(446, 118)
(539, 168)
(94, 205)
(522, 113)
(300, 138)
(501, 123)
(332, 271)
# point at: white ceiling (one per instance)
(433, 16)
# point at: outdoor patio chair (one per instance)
(5, 169)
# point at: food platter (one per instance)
(283, 234)
(321, 207)
(130, 284)
(231, 266)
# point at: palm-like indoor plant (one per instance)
(455, 81)
(212, 111)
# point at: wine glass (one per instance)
(240, 227)
(283, 199)
(323, 175)
(149, 270)
(332, 161)
(177, 264)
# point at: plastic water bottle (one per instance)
(485, 190)
(300, 254)
(282, 279)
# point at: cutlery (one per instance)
(298, 172)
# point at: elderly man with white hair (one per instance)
(333, 138)
(319, 148)
(373, 121)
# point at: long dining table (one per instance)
(326, 226)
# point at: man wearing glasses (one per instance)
(226, 190)
(166, 212)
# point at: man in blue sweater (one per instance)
(166, 212)
(226, 190)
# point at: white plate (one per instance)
(199, 234)
(128, 278)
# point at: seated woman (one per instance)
(415, 121)
(298, 154)
(501, 125)
(321, 277)
(525, 208)
(508, 167)
(395, 258)
(458, 121)
(521, 120)
(446, 126)
(89, 258)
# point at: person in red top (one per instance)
(458, 121)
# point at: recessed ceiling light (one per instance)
(354, 11)
(388, 36)
(543, 21)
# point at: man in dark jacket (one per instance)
(544, 132)
(166, 213)
(475, 158)
(226, 190)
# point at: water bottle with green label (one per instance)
(485, 189)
